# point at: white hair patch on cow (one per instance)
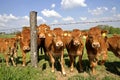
(49, 35)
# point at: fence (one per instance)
(14, 30)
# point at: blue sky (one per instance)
(15, 14)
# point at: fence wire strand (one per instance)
(64, 24)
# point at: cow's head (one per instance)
(25, 38)
(58, 37)
(42, 30)
(95, 36)
(76, 37)
(12, 44)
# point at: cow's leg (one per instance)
(93, 62)
(104, 58)
(62, 65)
(118, 54)
(7, 59)
(24, 58)
(80, 63)
(71, 62)
(52, 61)
(12, 59)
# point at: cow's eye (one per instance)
(54, 35)
(90, 37)
(80, 36)
(46, 29)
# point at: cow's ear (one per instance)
(6, 41)
(84, 34)
(104, 33)
(18, 36)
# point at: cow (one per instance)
(55, 47)
(9, 49)
(96, 46)
(74, 45)
(13, 47)
(42, 30)
(113, 44)
(24, 40)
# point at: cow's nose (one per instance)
(41, 35)
(59, 43)
(96, 45)
(26, 48)
(76, 43)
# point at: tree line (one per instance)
(110, 29)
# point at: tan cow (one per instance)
(42, 30)
(96, 46)
(9, 49)
(74, 45)
(114, 45)
(24, 40)
(55, 47)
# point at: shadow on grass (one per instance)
(113, 67)
(85, 65)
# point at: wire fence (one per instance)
(10, 30)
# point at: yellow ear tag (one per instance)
(65, 34)
(104, 34)
(84, 37)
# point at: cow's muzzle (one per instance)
(76, 43)
(26, 48)
(96, 45)
(59, 44)
(41, 35)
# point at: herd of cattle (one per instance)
(55, 41)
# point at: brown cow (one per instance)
(24, 39)
(9, 48)
(114, 45)
(55, 47)
(96, 46)
(74, 46)
(42, 30)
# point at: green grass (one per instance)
(109, 71)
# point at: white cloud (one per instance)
(2, 25)
(16, 22)
(117, 16)
(69, 18)
(5, 17)
(55, 21)
(73, 3)
(98, 10)
(39, 18)
(26, 18)
(53, 5)
(83, 18)
(113, 10)
(50, 13)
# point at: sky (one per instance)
(15, 14)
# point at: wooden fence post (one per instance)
(33, 25)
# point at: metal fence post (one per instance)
(33, 35)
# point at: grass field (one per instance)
(109, 71)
